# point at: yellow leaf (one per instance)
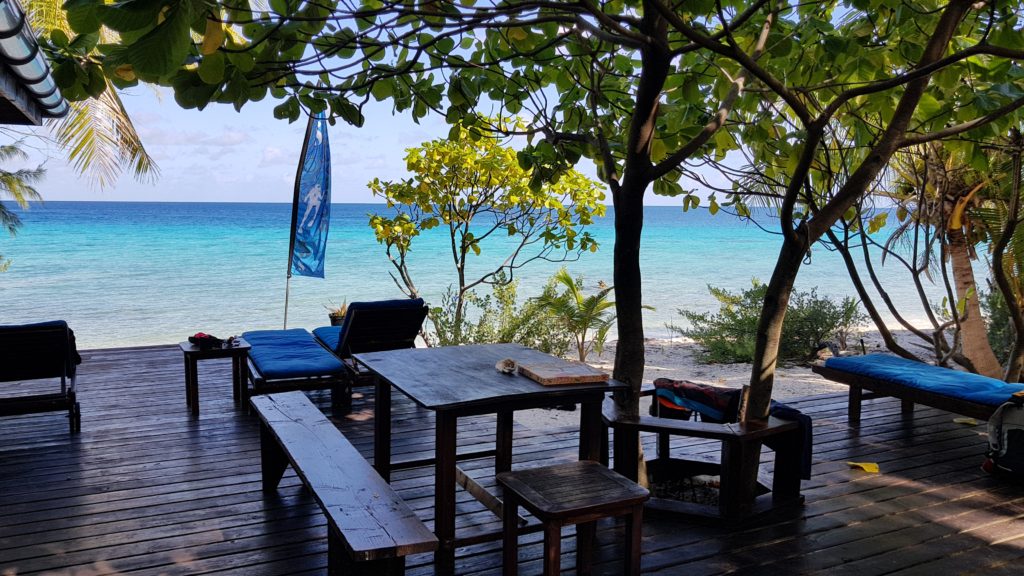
(865, 466)
(956, 218)
(214, 36)
(517, 34)
(966, 421)
(125, 72)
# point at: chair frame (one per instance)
(36, 352)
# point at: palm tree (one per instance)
(586, 317)
(97, 134)
(16, 185)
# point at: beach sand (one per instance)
(678, 358)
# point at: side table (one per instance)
(238, 352)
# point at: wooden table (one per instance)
(458, 381)
(238, 352)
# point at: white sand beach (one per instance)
(678, 358)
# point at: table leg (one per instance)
(444, 492)
(188, 383)
(192, 382)
(503, 443)
(382, 428)
(238, 369)
(590, 430)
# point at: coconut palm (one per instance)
(97, 134)
(17, 186)
(588, 318)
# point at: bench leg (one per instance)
(273, 460)
(634, 531)
(853, 405)
(339, 563)
(552, 549)
(906, 407)
(786, 477)
(509, 535)
(585, 534)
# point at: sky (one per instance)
(220, 155)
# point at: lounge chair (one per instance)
(297, 360)
(374, 327)
(40, 351)
(916, 382)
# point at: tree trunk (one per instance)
(629, 354)
(974, 337)
(769, 326)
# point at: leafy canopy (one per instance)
(477, 189)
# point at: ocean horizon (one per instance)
(149, 273)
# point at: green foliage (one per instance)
(587, 318)
(498, 318)
(16, 185)
(476, 191)
(728, 335)
(999, 328)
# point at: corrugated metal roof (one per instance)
(28, 93)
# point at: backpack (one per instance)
(1006, 438)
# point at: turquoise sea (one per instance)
(135, 273)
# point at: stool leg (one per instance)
(634, 530)
(552, 549)
(585, 533)
(510, 535)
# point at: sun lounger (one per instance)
(375, 327)
(294, 359)
(916, 382)
(40, 351)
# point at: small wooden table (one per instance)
(456, 381)
(565, 494)
(238, 352)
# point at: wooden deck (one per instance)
(147, 489)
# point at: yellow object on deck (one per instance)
(865, 466)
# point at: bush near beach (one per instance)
(728, 336)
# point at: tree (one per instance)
(622, 83)
(638, 86)
(17, 186)
(97, 134)
(478, 192)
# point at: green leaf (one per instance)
(211, 68)
(83, 16)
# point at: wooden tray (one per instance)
(560, 373)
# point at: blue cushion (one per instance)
(282, 354)
(329, 335)
(951, 383)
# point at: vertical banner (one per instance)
(311, 208)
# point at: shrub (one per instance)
(728, 335)
(497, 317)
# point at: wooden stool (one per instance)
(565, 494)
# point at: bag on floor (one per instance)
(1006, 439)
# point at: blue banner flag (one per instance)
(311, 209)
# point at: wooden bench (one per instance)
(909, 395)
(370, 528)
(737, 501)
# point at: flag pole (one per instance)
(295, 215)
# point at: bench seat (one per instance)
(916, 382)
(370, 528)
